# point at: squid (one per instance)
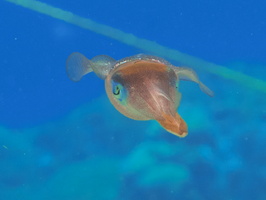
(141, 87)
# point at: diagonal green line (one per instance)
(143, 44)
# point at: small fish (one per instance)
(140, 87)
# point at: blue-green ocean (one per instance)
(64, 140)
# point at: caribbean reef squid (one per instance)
(141, 87)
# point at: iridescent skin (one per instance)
(140, 87)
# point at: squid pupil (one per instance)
(117, 91)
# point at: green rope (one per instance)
(143, 44)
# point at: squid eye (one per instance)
(116, 90)
(119, 93)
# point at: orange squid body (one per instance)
(151, 94)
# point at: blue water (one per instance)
(64, 140)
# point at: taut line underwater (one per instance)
(143, 44)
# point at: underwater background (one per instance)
(61, 140)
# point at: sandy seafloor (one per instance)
(61, 140)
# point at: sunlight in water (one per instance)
(143, 44)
